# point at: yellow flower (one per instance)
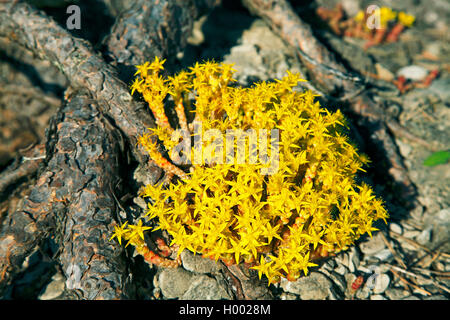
(157, 64)
(406, 19)
(263, 267)
(119, 232)
(137, 230)
(359, 16)
(386, 15)
(143, 69)
(234, 212)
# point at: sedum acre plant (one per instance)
(287, 201)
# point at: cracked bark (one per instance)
(72, 196)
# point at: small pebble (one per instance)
(341, 269)
(396, 293)
(384, 255)
(381, 283)
(425, 236)
(363, 293)
(384, 73)
(54, 289)
(354, 259)
(439, 266)
(377, 297)
(411, 234)
(394, 227)
(414, 73)
(447, 267)
(174, 282)
(373, 245)
(315, 286)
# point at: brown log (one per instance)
(88, 153)
(154, 28)
(79, 62)
(71, 198)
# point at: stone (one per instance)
(384, 255)
(174, 282)
(342, 259)
(341, 269)
(434, 48)
(394, 227)
(405, 149)
(54, 289)
(205, 288)
(438, 224)
(363, 293)
(383, 73)
(197, 263)
(417, 213)
(381, 283)
(410, 234)
(140, 202)
(354, 259)
(373, 245)
(351, 7)
(425, 236)
(412, 72)
(316, 286)
(440, 88)
(396, 293)
(447, 267)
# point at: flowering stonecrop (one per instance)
(279, 222)
(386, 16)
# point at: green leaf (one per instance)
(436, 158)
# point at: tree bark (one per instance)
(73, 198)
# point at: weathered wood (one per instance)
(154, 28)
(78, 61)
(71, 200)
(72, 197)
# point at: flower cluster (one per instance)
(377, 25)
(391, 25)
(387, 16)
(278, 222)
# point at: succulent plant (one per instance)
(291, 198)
